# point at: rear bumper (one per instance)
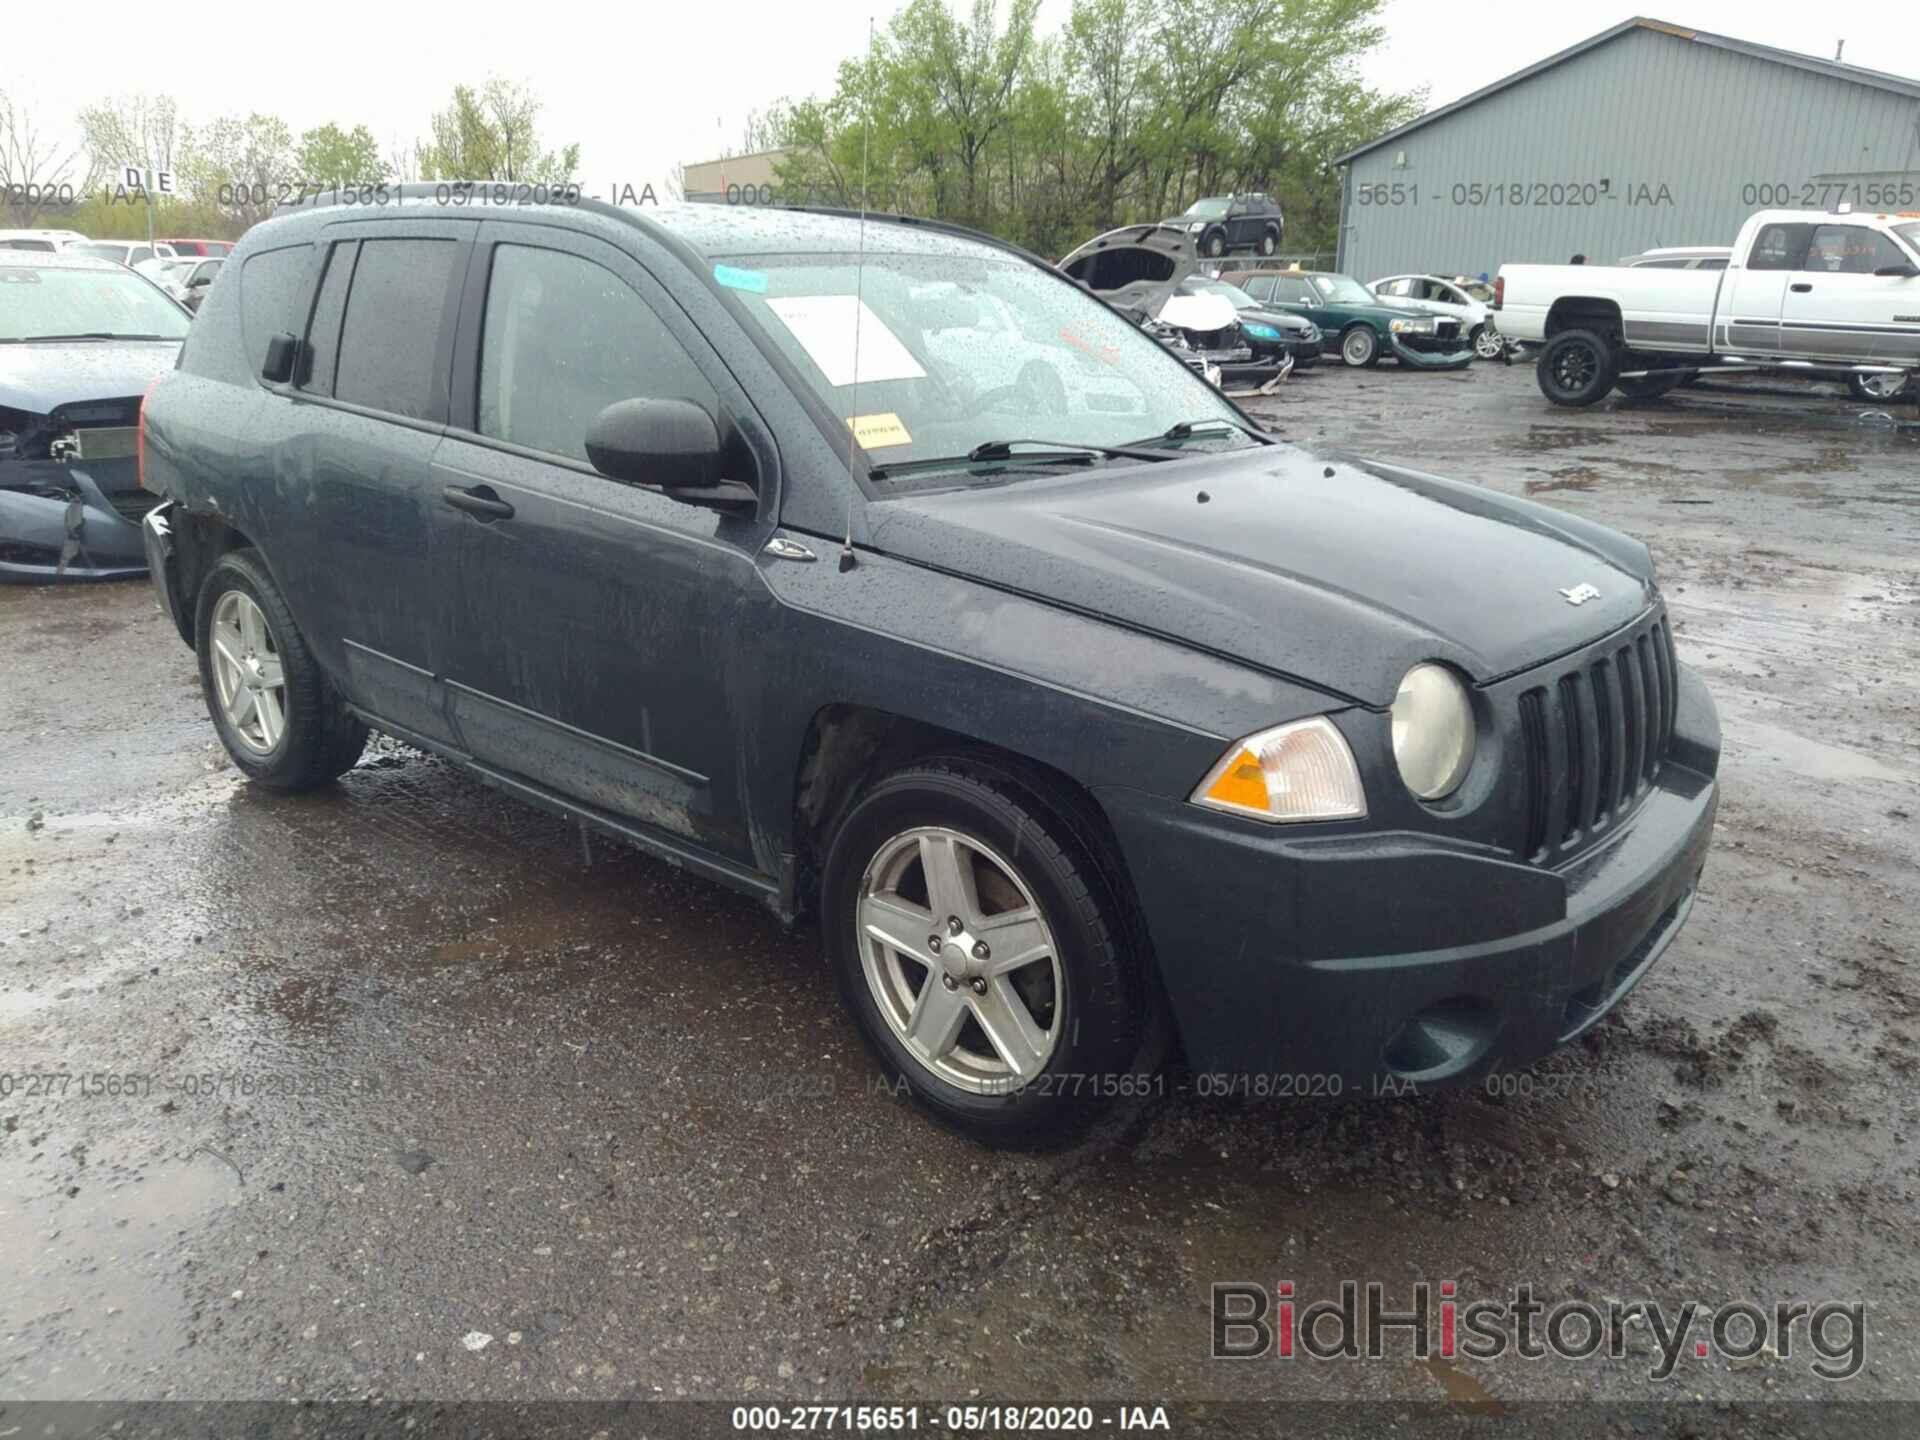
(163, 568)
(1393, 957)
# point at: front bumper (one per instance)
(1433, 354)
(36, 528)
(1353, 960)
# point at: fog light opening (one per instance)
(1442, 1040)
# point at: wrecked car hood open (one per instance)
(1289, 550)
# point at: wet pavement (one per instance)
(392, 1091)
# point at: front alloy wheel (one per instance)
(1217, 244)
(1487, 342)
(1360, 347)
(1877, 389)
(961, 962)
(982, 937)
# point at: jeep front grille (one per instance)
(1593, 739)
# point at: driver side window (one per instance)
(563, 338)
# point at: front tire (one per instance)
(1216, 244)
(984, 952)
(1360, 348)
(1577, 367)
(279, 716)
(1487, 342)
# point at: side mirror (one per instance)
(674, 444)
(282, 350)
(1898, 272)
(198, 281)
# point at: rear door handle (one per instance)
(1800, 289)
(480, 501)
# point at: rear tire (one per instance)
(283, 723)
(1034, 1057)
(1577, 367)
(1269, 240)
(1879, 389)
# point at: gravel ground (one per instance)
(427, 1103)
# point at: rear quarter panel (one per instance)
(1659, 309)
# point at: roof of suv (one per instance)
(713, 231)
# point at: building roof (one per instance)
(1833, 69)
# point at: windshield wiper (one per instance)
(1183, 429)
(88, 335)
(1000, 452)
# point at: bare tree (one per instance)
(35, 172)
(138, 130)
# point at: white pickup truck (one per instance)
(1802, 290)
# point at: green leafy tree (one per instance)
(328, 155)
(492, 134)
(245, 166)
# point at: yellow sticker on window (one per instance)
(876, 432)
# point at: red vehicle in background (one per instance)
(200, 247)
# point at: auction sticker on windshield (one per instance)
(876, 432)
(832, 329)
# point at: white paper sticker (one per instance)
(826, 327)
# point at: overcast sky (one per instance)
(640, 90)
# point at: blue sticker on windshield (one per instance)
(735, 279)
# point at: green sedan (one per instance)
(1357, 325)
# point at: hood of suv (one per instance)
(1337, 572)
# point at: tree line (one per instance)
(231, 171)
(1132, 111)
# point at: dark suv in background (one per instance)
(1221, 224)
(1068, 699)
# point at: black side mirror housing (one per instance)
(282, 350)
(1902, 272)
(674, 444)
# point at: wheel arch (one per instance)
(199, 540)
(847, 747)
(1585, 312)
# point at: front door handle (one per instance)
(480, 501)
(1800, 289)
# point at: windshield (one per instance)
(1342, 290)
(38, 303)
(1240, 298)
(957, 351)
(1207, 209)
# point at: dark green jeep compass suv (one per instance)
(1084, 717)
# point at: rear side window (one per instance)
(323, 340)
(272, 292)
(1779, 247)
(1851, 250)
(391, 335)
(563, 339)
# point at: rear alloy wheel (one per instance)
(1487, 342)
(1269, 241)
(279, 716)
(1360, 347)
(1576, 368)
(980, 948)
(1878, 389)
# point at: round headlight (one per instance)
(1432, 731)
